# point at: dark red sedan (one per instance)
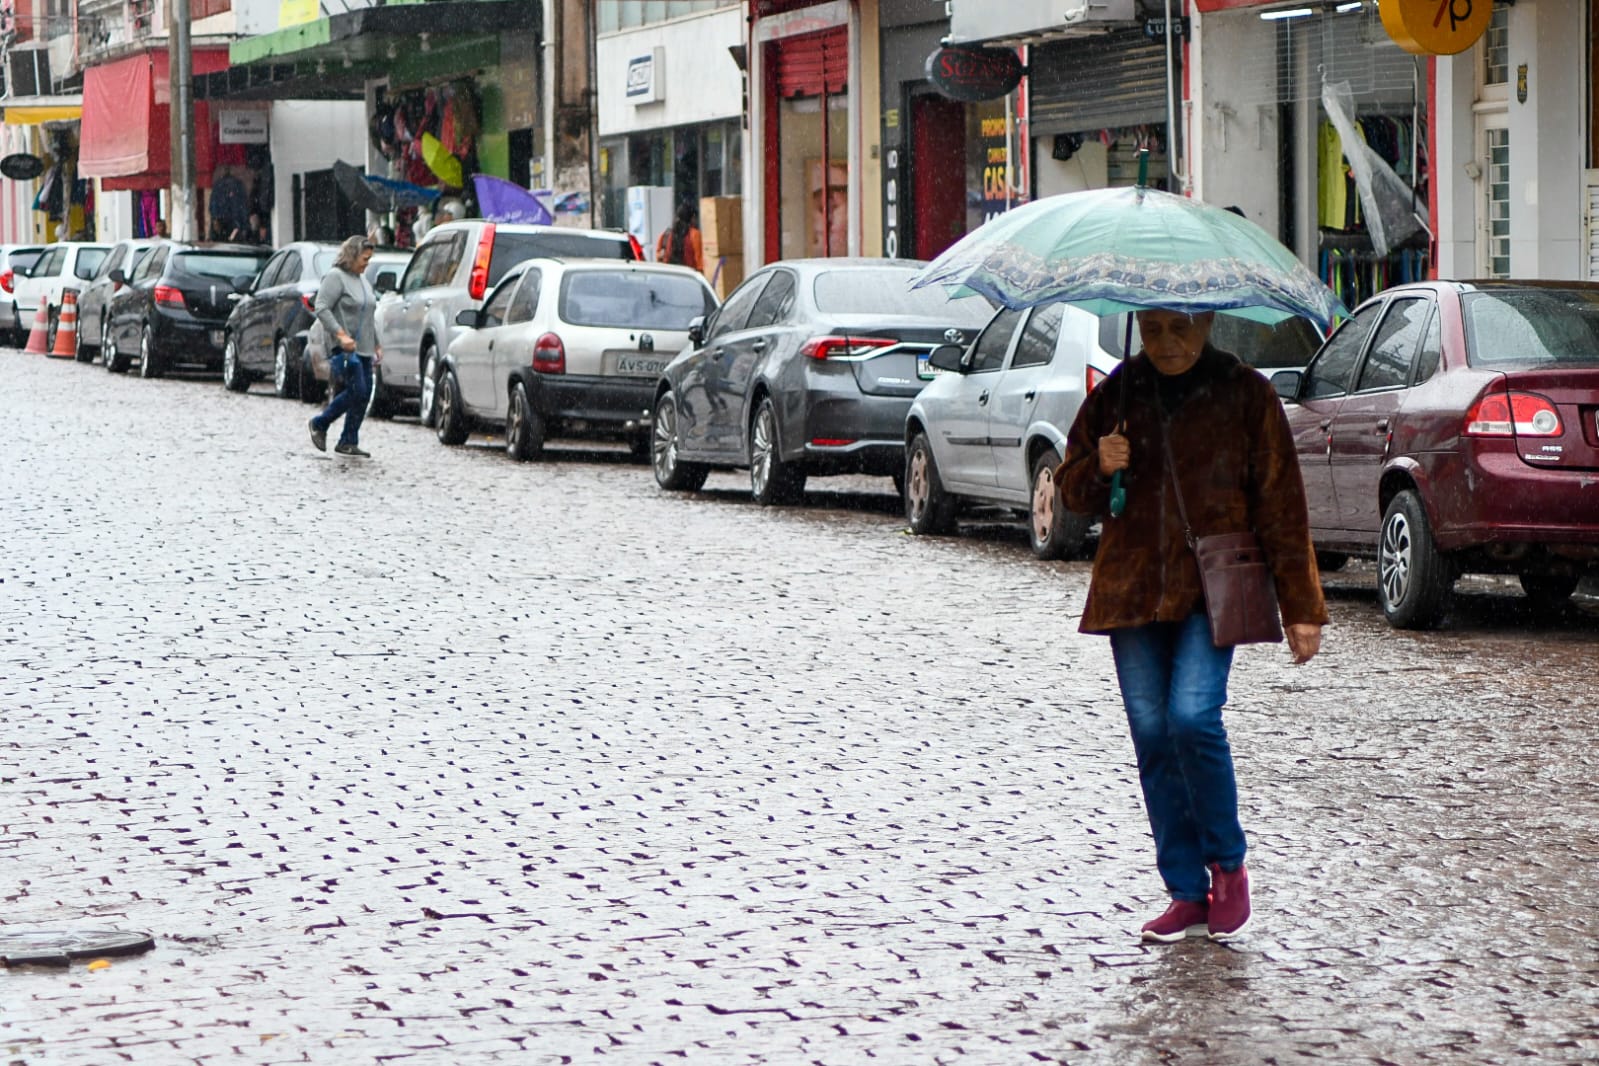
(1449, 427)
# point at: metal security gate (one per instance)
(1116, 79)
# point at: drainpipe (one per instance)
(180, 71)
(1179, 179)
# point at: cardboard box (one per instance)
(722, 226)
(725, 280)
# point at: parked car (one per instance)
(62, 266)
(266, 330)
(125, 255)
(174, 307)
(568, 348)
(1448, 427)
(14, 258)
(455, 266)
(808, 369)
(383, 272)
(993, 428)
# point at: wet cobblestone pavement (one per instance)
(438, 759)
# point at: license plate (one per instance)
(925, 369)
(634, 364)
(216, 338)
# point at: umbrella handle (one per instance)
(1118, 495)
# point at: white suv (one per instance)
(454, 267)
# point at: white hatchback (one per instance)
(568, 348)
(62, 266)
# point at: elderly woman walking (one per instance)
(1194, 424)
(344, 305)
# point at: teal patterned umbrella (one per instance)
(1111, 250)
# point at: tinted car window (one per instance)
(89, 260)
(1387, 365)
(631, 299)
(23, 259)
(880, 290)
(1037, 344)
(513, 248)
(494, 311)
(269, 273)
(989, 352)
(289, 271)
(1532, 327)
(526, 300)
(776, 302)
(417, 272)
(112, 261)
(221, 265)
(736, 311)
(1432, 350)
(442, 265)
(49, 265)
(153, 264)
(1329, 374)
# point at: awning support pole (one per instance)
(180, 69)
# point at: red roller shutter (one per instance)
(813, 64)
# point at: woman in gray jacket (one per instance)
(344, 305)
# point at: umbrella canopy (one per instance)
(1111, 250)
(401, 193)
(439, 160)
(503, 201)
(353, 184)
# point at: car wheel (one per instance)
(312, 390)
(524, 427)
(82, 352)
(53, 321)
(1331, 562)
(1549, 592)
(149, 361)
(928, 508)
(772, 480)
(233, 377)
(427, 406)
(110, 358)
(285, 377)
(449, 421)
(1414, 579)
(672, 473)
(1055, 532)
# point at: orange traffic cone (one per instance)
(39, 335)
(67, 326)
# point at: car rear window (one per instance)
(21, 259)
(1532, 327)
(629, 299)
(887, 291)
(322, 262)
(89, 260)
(513, 248)
(220, 264)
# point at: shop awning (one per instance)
(32, 110)
(332, 57)
(126, 136)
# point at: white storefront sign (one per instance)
(645, 78)
(239, 126)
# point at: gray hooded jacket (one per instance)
(346, 301)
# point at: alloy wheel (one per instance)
(663, 442)
(230, 363)
(430, 387)
(1043, 505)
(1394, 558)
(108, 354)
(763, 444)
(917, 484)
(280, 368)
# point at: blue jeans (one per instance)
(351, 399)
(1174, 682)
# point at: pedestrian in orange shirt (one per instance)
(681, 244)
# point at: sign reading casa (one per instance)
(1435, 27)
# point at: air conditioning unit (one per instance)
(984, 20)
(28, 72)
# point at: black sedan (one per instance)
(808, 369)
(174, 309)
(267, 328)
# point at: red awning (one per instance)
(126, 136)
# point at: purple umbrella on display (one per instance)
(499, 200)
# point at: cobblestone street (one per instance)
(441, 759)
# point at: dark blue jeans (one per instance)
(351, 398)
(1174, 682)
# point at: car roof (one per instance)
(468, 224)
(579, 264)
(819, 264)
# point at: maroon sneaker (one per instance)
(1229, 902)
(1182, 918)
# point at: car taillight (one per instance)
(309, 306)
(7, 280)
(1095, 376)
(1522, 414)
(843, 347)
(549, 355)
(166, 294)
(638, 249)
(478, 283)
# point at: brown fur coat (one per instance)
(1234, 455)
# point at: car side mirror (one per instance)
(947, 357)
(387, 281)
(242, 282)
(696, 329)
(469, 317)
(118, 276)
(1286, 384)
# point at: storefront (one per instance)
(56, 203)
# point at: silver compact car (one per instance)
(991, 429)
(568, 349)
(807, 370)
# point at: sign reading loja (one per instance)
(971, 74)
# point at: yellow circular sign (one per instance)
(1435, 27)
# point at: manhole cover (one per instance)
(19, 947)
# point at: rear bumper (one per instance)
(847, 431)
(1502, 500)
(183, 338)
(619, 404)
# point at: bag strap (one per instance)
(1176, 485)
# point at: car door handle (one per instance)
(759, 346)
(717, 353)
(983, 399)
(1029, 394)
(1382, 426)
(1327, 423)
(491, 346)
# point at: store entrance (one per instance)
(938, 174)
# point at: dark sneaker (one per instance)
(1229, 902)
(351, 450)
(1182, 918)
(319, 437)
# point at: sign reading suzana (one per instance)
(972, 74)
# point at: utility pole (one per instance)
(180, 70)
